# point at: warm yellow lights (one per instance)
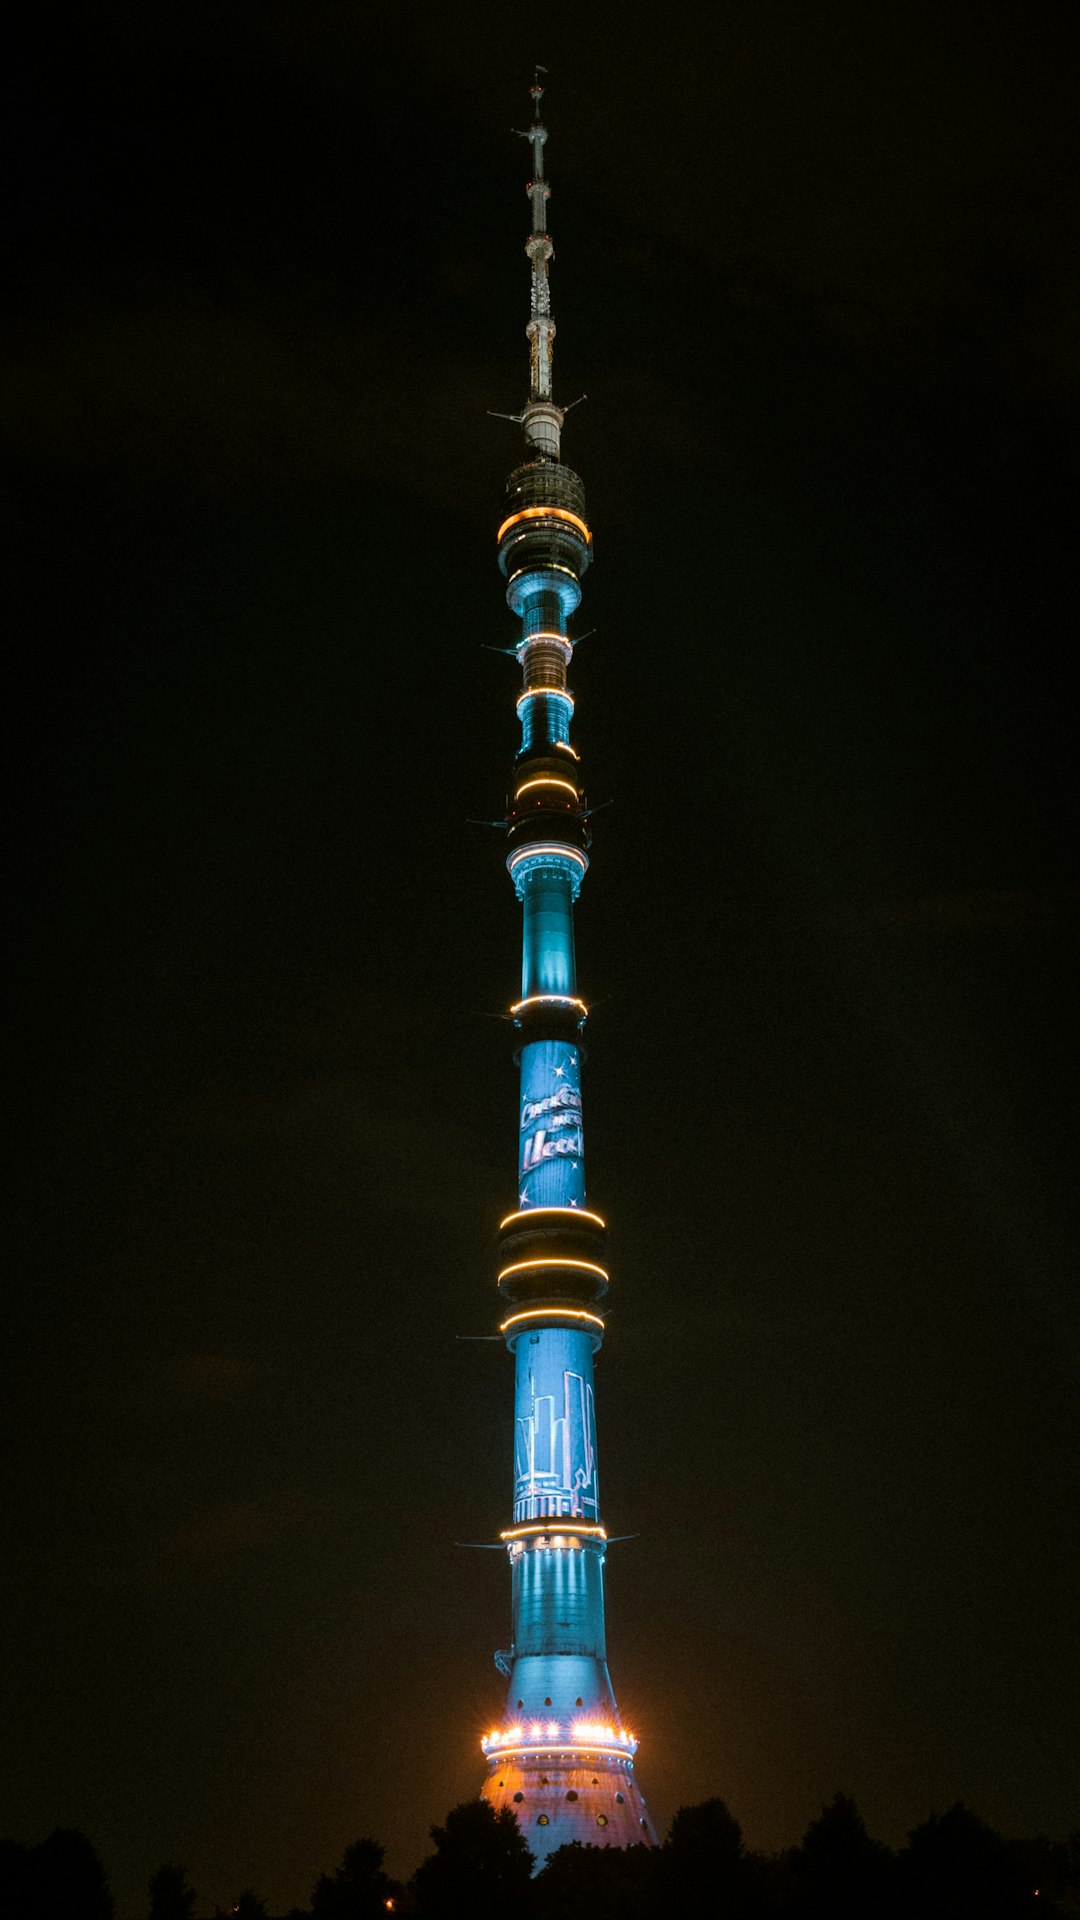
(549, 999)
(530, 1528)
(565, 747)
(592, 1730)
(546, 513)
(565, 1749)
(546, 780)
(547, 1260)
(529, 1214)
(552, 1313)
(582, 1738)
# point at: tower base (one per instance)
(560, 1798)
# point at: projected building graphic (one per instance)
(560, 1757)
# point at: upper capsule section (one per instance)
(544, 540)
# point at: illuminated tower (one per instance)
(561, 1757)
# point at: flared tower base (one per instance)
(562, 1798)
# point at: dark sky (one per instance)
(816, 270)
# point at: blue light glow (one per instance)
(523, 861)
(529, 585)
(545, 719)
(555, 1472)
(551, 1154)
(547, 947)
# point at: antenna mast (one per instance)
(542, 419)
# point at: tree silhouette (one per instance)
(955, 1866)
(250, 1907)
(579, 1883)
(170, 1896)
(701, 1866)
(62, 1876)
(14, 1879)
(481, 1868)
(839, 1870)
(359, 1890)
(1052, 1867)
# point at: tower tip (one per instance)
(542, 418)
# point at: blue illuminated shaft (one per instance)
(560, 1758)
(555, 1281)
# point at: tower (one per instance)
(561, 1758)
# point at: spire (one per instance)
(542, 419)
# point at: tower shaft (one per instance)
(560, 1757)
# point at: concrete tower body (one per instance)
(561, 1758)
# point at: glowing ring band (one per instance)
(552, 1313)
(549, 1000)
(529, 1214)
(544, 1261)
(547, 850)
(559, 1523)
(571, 1748)
(546, 780)
(546, 513)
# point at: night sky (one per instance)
(816, 269)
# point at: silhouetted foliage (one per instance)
(1051, 1869)
(702, 1861)
(581, 1883)
(14, 1871)
(62, 1876)
(358, 1890)
(171, 1898)
(955, 1866)
(481, 1868)
(839, 1873)
(250, 1907)
(706, 1829)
